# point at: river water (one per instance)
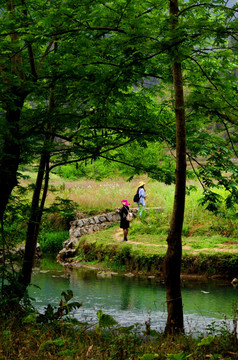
(207, 305)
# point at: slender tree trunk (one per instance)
(3, 255)
(34, 223)
(37, 207)
(172, 263)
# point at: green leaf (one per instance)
(149, 356)
(67, 295)
(31, 318)
(105, 320)
(179, 356)
(206, 341)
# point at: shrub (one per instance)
(52, 242)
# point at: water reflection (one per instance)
(133, 300)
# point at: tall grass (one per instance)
(106, 195)
(89, 194)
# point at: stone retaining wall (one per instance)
(80, 227)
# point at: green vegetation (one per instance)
(55, 334)
(52, 242)
(206, 237)
(144, 253)
(136, 83)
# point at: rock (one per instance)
(96, 220)
(96, 228)
(20, 251)
(102, 218)
(129, 275)
(80, 223)
(66, 254)
(104, 274)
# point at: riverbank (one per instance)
(143, 253)
(85, 334)
(64, 341)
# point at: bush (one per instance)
(52, 242)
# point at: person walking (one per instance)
(142, 196)
(124, 224)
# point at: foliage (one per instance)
(73, 89)
(105, 320)
(65, 208)
(125, 71)
(179, 356)
(205, 250)
(59, 339)
(13, 297)
(133, 159)
(16, 216)
(52, 242)
(149, 356)
(53, 314)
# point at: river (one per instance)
(207, 305)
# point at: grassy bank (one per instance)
(209, 241)
(208, 249)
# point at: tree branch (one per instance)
(45, 54)
(91, 155)
(211, 82)
(191, 163)
(228, 134)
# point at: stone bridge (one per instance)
(81, 227)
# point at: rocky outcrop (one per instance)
(80, 227)
(18, 253)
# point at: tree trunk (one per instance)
(10, 157)
(172, 263)
(37, 207)
(34, 221)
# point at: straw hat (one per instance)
(141, 183)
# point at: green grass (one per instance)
(64, 341)
(51, 242)
(210, 253)
(201, 229)
(152, 230)
(106, 195)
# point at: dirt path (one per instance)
(118, 236)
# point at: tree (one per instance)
(105, 52)
(172, 263)
(85, 129)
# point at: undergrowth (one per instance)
(52, 242)
(56, 334)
